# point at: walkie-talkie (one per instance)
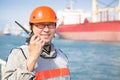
(29, 37)
(30, 34)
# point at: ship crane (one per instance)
(96, 11)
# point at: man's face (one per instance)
(45, 30)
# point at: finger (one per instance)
(42, 42)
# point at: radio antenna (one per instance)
(22, 27)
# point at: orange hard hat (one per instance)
(42, 14)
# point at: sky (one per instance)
(20, 10)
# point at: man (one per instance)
(39, 60)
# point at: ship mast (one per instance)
(95, 10)
(71, 4)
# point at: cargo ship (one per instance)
(107, 29)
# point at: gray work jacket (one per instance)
(16, 68)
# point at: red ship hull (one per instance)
(101, 31)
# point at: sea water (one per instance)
(87, 60)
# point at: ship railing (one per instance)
(2, 64)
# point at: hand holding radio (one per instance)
(35, 46)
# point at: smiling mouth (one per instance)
(47, 35)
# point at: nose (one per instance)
(46, 28)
